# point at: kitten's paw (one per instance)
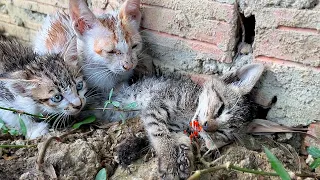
(179, 167)
(184, 161)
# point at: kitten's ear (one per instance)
(70, 53)
(245, 78)
(82, 17)
(130, 10)
(19, 82)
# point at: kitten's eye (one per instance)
(57, 98)
(134, 46)
(220, 110)
(79, 86)
(112, 52)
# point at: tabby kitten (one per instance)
(168, 104)
(47, 84)
(108, 45)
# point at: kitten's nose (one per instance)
(127, 66)
(78, 107)
(210, 125)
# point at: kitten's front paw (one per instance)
(184, 161)
(179, 167)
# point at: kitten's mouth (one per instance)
(75, 111)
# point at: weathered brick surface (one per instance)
(288, 34)
(296, 87)
(287, 41)
(216, 27)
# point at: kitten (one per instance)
(108, 45)
(168, 104)
(47, 84)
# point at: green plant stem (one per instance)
(43, 150)
(17, 146)
(22, 112)
(197, 174)
(252, 171)
(229, 166)
(114, 109)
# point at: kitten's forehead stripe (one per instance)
(109, 21)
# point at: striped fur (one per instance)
(32, 83)
(108, 44)
(168, 104)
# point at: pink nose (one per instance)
(127, 66)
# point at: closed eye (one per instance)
(134, 46)
(220, 111)
(111, 51)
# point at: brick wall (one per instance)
(200, 36)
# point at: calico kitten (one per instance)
(108, 45)
(168, 104)
(47, 84)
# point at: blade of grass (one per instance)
(16, 146)
(102, 174)
(314, 151)
(315, 164)
(23, 127)
(277, 165)
(110, 94)
(88, 120)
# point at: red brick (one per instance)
(19, 32)
(35, 6)
(194, 46)
(268, 61)
(177, 23)
(57, 3)
(205, 9)
(274, 17)
(289, 44)
(314, 130)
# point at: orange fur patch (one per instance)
(57, 36)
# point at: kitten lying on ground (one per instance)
(168, 104)
(50, 84)
(108, 45)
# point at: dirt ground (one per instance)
(82, 154)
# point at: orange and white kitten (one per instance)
(108, 45)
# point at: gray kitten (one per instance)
(168, 104)
(47, 84)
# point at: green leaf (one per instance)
(106, 104)
(2, 125)
(314, 151)
(122, 118)
(115, 104)
(23, 127)
(277, 165)
(132, 105)
(102, 174)
(5, 131)
(315, 164)
(88, 120)
(14, 132)
(110, 94)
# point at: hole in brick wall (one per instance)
(249, 26)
